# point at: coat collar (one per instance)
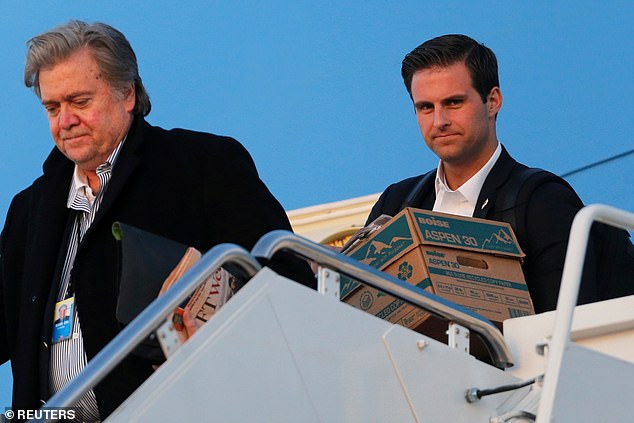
(124, 167)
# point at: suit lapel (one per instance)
(124, 167)
(426, 195)
(497, 177)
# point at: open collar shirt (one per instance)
(68, 357)
(462, 201)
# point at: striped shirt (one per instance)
(68, 357)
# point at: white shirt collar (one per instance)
(80, 195)
(80, 191)
(463, 200)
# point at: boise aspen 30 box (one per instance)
(473, 262)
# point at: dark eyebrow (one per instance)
(457, 97)
(68, 97)
(422, 103)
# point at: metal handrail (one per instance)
(148, 320)
(569, 293)
(279, 240)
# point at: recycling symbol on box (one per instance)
(366, 300)
(405, 271)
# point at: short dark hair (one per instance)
(109, 47)
(447, 50)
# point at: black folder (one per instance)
(145, 261)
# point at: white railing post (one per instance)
(569, 292)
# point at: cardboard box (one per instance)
(473, 262)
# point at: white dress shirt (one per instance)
(462, 201)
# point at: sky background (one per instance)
(313, 89)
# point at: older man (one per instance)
(109, 165)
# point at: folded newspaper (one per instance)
(212, 294)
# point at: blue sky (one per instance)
(313, 89)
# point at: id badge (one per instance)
(63, 320)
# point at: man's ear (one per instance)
(130, 99)
(494, 101)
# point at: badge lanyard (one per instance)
(64, 315)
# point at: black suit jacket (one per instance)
(195, 188)
(549, 214)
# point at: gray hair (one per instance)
(109, 47)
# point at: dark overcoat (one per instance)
(195, 188)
